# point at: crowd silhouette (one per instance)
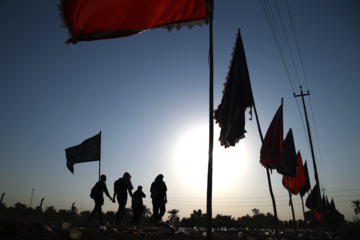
(122, 188)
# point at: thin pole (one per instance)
(1, 199)
(211, 136)
(268, 177)
(32, 194)
(312, 153)
(100, 157)
(291, 204)
(302, 203)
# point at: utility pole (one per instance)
(312, 153)
(323, 190)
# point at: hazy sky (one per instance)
(148, 95)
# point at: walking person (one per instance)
(98, 196)
(121, 188)
(137, 205)
(158, 194)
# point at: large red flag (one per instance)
(89, 20)
(270, 152)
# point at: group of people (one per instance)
(123, 187)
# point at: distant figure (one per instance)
(137, 205)
(158, 194)
(97, 194)
(121, 187)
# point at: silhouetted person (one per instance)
(98, 196)
(137, 205)
(121, 187)
(158, 194)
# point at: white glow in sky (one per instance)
(191, 161)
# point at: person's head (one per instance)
(159, 177)
(139, 188)
(127, 175)
(103, 178)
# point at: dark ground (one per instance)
(10, 229)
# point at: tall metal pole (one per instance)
(211, 136)
(312, 152)
(100, 157)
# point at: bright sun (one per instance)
(191, 160)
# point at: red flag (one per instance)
(317, 215)
(294, 185)
(287, 183)
(237, 97)
(89, 20)
(301, 173)
(270, 152)
(291, 184)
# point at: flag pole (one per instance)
(211, 134)
(100, 156)
(291, 203)
(268, 175)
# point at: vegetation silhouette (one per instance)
(258, 221)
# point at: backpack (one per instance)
(95, 191)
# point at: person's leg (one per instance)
(137, 214)
(162, 211)
(134, 217)
(92, 214)
(100, 214)
(97, 206)
(141, 211)
(156, 213)
(117, 215)
(121, 210)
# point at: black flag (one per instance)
(87, 151)
(237, 97)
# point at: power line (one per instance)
(281, 49)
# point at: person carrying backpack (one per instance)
(98, 196)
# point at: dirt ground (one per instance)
(19, 230)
